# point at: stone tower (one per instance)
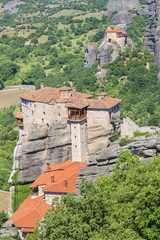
(77, 119)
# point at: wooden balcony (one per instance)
(20, 123)
(77, 114)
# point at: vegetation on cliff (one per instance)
(8, 139)
(123, 206)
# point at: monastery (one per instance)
(48, 105)
(116, 35)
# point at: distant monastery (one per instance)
(48, 105)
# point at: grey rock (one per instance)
(142, 11)
(54, 148)
(158, 147)
(37, 133)
(90, 56)
(108, 153)
(59, 140)
(122, 26)
(9, 232)
(142, 138)
(34, 146)
(150, 144)
(158, 140)
(123, 16)
(105, 55)
(121, 5)
(149, 153)
(8, 224)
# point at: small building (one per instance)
(53, 182)
(19, 117)
(116, 35)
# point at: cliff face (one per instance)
(102, 163)
(152, 34)
(121, 5)
(43, 145)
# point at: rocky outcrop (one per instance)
(123, 16)
(98, 138)
(152, 34)
(91, 53)
(102, 163)
(43, 145)
(121, 5)
(9, 230)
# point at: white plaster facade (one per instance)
(120, 38)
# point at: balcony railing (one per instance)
(20, 124)
(77, 117)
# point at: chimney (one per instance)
(65, 183)
(52, 179)
(74, 88)
(48, 166)
(42, 85)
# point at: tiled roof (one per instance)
(60, 171)
(48, 95)
(19, 115)
(102, 94)
(33, 210)
(27, 230)
(64, 88)
(107, 103)
(78, 104)
(75, 94)
(115, 31)
(29, 212)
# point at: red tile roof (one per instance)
(47, 95)
(29, 212)
(64, 88)
(33, 210)
(102, 94)
(115, 31)
(67, 170)
(78, 104)
(19, 115)
(27, 230)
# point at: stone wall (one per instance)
(128, 128)
(102, 163)
(35, 113)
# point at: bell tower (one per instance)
(77, 119)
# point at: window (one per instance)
(75, 146)
(42, 120)
(32, 113)
(109, 40)
(44, 113)
(74, 127)
(75, 137)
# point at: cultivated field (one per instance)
(10, 97)
(4, 201)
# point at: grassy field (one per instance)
(10, 97)
(4, 201)
(67, 12)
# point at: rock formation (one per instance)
(123, 16)
(152, 34)
(102, 163)
(90, 56)
(43, 145)
(106, 52)
(121, 5)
